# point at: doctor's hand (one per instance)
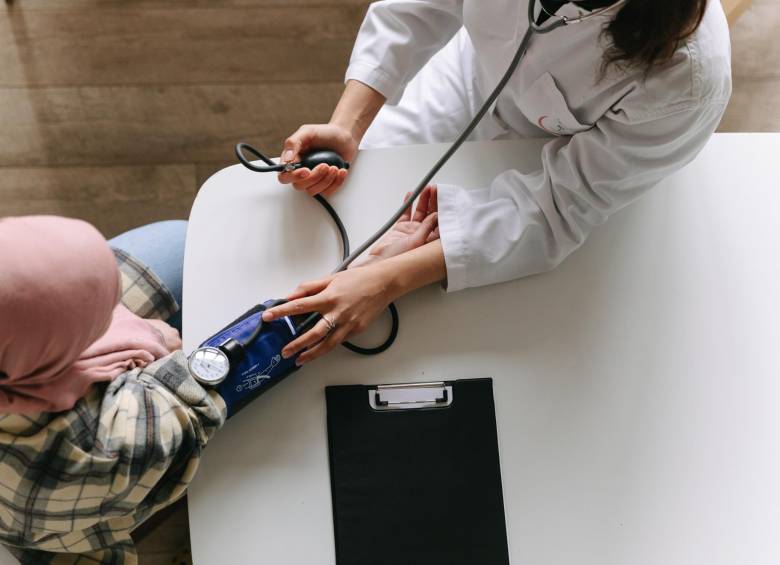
(348, 302)
(323, 179)
(409, 232)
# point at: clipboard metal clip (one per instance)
(410, 396)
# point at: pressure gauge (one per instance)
(209, 365)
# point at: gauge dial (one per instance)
(209, 365)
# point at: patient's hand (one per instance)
(409, 232)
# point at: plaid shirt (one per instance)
(74, 484)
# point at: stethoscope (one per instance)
(565, 20)
(215, 360)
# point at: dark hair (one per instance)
(645, 33)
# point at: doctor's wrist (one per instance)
(351, 129)
(357, 108)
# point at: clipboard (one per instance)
(415, 474)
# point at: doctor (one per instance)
(627, 97)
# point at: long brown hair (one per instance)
(645, 33)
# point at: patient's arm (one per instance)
(412, 230)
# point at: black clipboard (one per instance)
(415, 474)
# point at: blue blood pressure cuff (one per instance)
(262, 365)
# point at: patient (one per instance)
(101, 424)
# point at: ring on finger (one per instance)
(331, 325)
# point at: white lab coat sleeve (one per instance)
(397, 38)
(524, 224)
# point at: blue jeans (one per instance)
(159, 246)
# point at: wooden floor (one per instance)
(116, 111)
(755, 103)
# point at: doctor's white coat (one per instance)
(615, 135)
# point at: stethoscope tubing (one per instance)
(521, 50)
(271, 167)
(564, 20)
(348, 257)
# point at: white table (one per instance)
(637, 386)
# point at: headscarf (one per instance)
(61, 327)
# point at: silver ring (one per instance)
(331, 326)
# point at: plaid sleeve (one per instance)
(79, 482)
(143, 293)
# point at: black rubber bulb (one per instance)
(311, 160)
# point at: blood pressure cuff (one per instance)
(263, 365)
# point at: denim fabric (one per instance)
(159, 246)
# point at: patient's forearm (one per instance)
(357, 108)
(414, 269)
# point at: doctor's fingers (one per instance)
(320, 331)
(305, 179)
(295, 177)
(340, 178)
(297, 143)
(324, 346)
(295, 307)
(310, 287)
(289, 178)
(326, 182)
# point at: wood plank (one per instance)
(755, 102)
(735, 8)
(754, 106)
(177, 45)
(205, 170)
(31, 5)
(114, 199)
(756, 43)
(170, 533)
(170, 557)
(165, 124)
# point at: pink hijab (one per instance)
(61, 327)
